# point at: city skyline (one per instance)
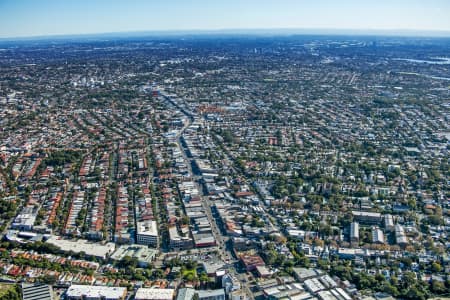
(46, 18)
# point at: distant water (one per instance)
(438, 77)
(425, 75)
(435, 61)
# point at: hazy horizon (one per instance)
(263, 32)
(27, 18)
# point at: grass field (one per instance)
(189, 274)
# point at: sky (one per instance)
(23, 18)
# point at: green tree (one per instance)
(438, 287)
(414, 292)
(390, 289)
(436, 267)
(203, 278)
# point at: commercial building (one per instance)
(147, 233)
(37, 292)
(154, 294)
(204, 240)
(389, 222)
(400, 235)
(237, 295)
(366, 217)
(178, 242)
(142, 253)
(185, 294)
(314, 285)
(251, 262)
(25, 220)
(377, 236)
(98, 250)
(82, 292)
(354, 232)
(230, 283)
(263, 271)
(218, 294)
(285, 291)
(302, 274)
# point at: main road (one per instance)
(221, 240)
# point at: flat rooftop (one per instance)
(154, 293)
(79, 245)
(147, 228)
(141, 252)
(96, 292)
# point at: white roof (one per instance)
(211, 293)
(90, 291)
(314, 285)
(141, 252)
(154, 294)
(147, 228)
(326, 295)
(93, 249)
(366, 214)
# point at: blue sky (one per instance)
(52, 17)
